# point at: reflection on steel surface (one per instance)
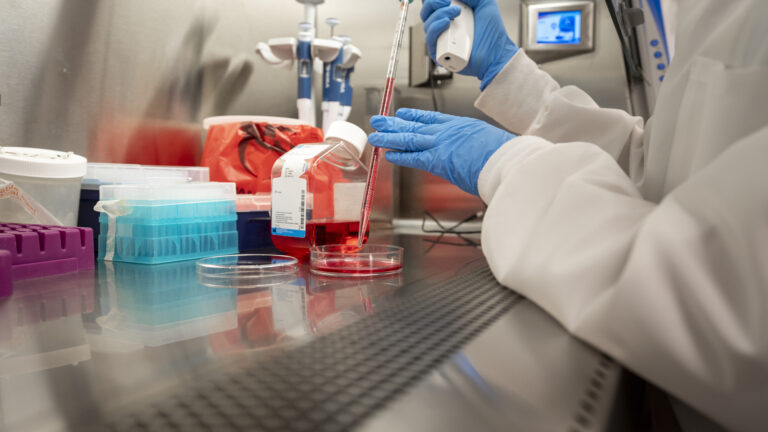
(292, 313)
(41, 326)
(155, 305)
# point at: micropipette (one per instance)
(386, 102)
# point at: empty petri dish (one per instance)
(247, 271)
(351, 261)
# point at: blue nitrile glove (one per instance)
(492, 48)
(454, 148)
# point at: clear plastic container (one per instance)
(256, 203)
(247, 271)
(350, 261)
(317, 192)
(50, 177)
(158, 250)
(152, 224)
(183, 192)
(101, 174)
(104, 174)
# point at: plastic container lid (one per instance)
(350, 133)
(194, 192)
(106, 174)
(41, 163)
(212, 121)
(260, 202)
(247, 271)
(350, 261)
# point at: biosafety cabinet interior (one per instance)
(130, 82)
(159, 342)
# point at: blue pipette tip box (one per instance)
(153, 224)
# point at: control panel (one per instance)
(553, 30)
(653, 47)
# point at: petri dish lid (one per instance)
(351, 261)
(41, 163)
(247, 271)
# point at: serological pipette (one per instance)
(386, 103)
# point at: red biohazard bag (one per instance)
(244, 152)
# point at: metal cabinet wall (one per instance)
(130, 81)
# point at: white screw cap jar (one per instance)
(51, 177)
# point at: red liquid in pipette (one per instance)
(319, 234)
(386, 103)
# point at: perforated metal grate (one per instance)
(583, 418)
(336, 381)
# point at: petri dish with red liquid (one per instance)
(247, 271)
(352, 261)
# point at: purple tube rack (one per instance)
(6, 283)
(32, 251)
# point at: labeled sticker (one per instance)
(289, 198)
(289, 192)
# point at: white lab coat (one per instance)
(648, 241)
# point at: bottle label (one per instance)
(347, 200)
(289, 192)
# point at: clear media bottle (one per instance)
(317, 192)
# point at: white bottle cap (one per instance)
(41, 163)
(350, 133)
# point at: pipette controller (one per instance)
(454, 46)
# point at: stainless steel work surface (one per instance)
(148, 348)
(523, 373)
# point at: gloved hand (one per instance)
(454, 148)
(492, 48)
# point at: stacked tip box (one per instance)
(156, 224)
(103, 174)
(31, 251)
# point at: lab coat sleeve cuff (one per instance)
(518, 95)
(506, 159)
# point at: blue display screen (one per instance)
(559, 27)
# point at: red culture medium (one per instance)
(319, 234)
(349, 260)
(355, 266)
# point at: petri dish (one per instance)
(351, 261)
(247, 271)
